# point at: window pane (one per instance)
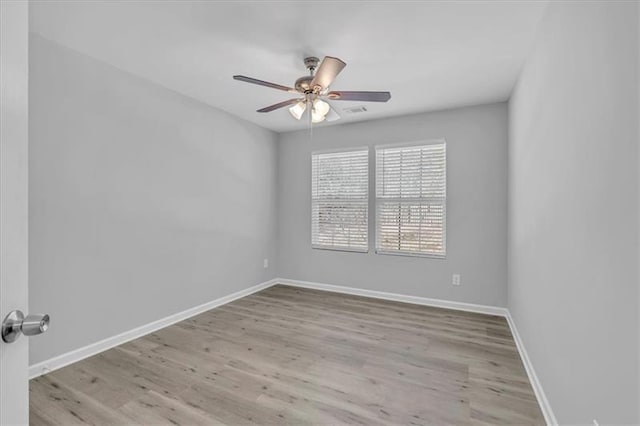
(411, 227)
(339, 214)
(411, 199)
(340, 224)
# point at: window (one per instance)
(411, 199)
(340, 200)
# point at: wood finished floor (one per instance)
(295, 356)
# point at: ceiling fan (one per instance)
(313, 91)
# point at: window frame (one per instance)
(377, 200)
(367, 200)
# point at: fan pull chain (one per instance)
(310, 108)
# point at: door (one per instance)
(14, 160)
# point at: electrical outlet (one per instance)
(266, 263)
(455, 280)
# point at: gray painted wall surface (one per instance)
(573, 210)
(143, 202)
(476, 208)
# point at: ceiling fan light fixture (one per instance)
(317, 118)
(321, 107)
(298, 109)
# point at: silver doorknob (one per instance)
(16, 323)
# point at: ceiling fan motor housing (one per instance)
(303, 84)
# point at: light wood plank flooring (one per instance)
(295, 356)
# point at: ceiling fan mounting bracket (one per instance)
(311, 62)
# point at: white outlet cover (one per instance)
(266, 263)
(455, 280)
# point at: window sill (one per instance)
(348, 250)
(410, 254)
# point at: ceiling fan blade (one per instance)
(327, 72)
(264, 83)
(280, 105)
(359, 96)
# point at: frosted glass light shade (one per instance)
(297, 110)
(316, 118)
(319, 111)
(321, 107)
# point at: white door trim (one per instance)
(14, 204)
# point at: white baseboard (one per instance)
(110, 342)
(549, 417)
(439, 303)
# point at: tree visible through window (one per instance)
(339, 193)
(411, 199)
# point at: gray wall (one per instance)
(476, 208)
(573, 210)
(143, 202)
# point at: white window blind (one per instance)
(339, 193)
(411, 193)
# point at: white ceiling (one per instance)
(429, 55)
